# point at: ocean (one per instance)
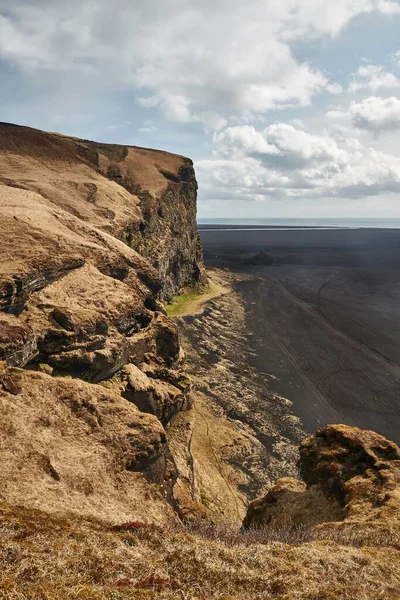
(303, 223)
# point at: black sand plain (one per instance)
(323, 320)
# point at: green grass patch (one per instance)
(180, 303)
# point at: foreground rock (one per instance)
(351, 478)
(69, 446)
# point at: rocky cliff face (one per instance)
(145, 198)
(93, 236)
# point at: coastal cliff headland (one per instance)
(145, 456)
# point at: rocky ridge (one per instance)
(91, 245)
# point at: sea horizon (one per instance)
(304, 222)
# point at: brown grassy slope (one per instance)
(72, 173)
(143, 197)
(76, 300)
(43, 557)
(47, 557)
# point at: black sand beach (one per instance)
(324, 319)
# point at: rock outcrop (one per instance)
(351, 478)
(70, 446)
(260, 259)
(94, 236)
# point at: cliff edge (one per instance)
(93, 236)
(335, 536)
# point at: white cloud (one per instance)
(222, 63)
(284, 162)
(391, 8)
(376, 114)
(16, 47)
(148, 101)
(177, 108)
(232, 55)
(373, 77)
(279, 144)
(396, 58)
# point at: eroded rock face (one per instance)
(350, 475)
(146, 198)
(93, 238)
(289, 502)
(169, 237)
(156, 391)
(87, 299)
(339, 453)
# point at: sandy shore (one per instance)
(324, 320)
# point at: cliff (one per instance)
(93, 237)
(145, 198)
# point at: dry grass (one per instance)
(46, 558)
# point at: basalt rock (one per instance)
(18, 343)
(169, 237)
(349, 476)
(149, 390)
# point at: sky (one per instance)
(288, 108)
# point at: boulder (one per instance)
(349, 475)
(154, 395)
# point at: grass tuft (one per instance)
(181, 303)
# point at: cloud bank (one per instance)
(282, 161)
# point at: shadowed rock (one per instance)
(260, 259)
